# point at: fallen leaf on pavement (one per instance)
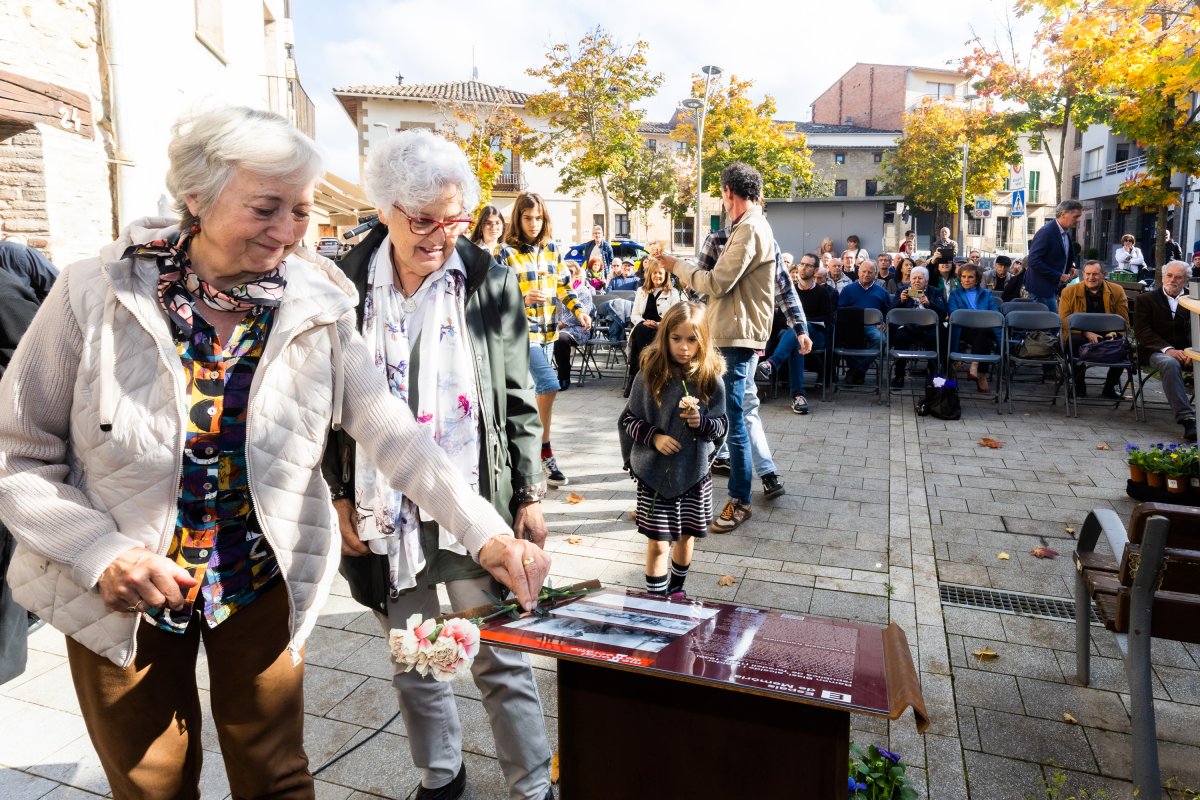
(987, 441)
(985, 654)
(574, 540)
(1070, 531)
(1043, 552)
(573, 498)
(1002, 556)
(726, 580)
(1068, 718)
(554, 769)
(1103, 446)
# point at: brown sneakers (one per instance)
(734, 514)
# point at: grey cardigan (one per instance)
(670, 476)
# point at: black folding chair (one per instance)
(847, 327)
(974, 319)
(1018, 324)
(1103, 324)
(912, 318)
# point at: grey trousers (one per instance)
(506, 686)
(1172, 383)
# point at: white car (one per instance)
(329, 247)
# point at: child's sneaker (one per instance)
(554, 475)
(678, 594)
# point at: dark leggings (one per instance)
(639, 340)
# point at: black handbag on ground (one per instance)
(940, 402)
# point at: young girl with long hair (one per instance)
(653, 299)
(489, 229)
(670, 429)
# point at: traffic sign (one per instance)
(1018, 204)
(983, 208)
(1016, 176)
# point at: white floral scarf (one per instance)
(447, 402)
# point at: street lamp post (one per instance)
(700, 107)
(962, 208)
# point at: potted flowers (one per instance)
(1179, 462)
(1137, 458)
(877, 774)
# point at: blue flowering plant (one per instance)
(877, 774)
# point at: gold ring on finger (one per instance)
(527, 561)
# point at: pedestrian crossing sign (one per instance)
(1018, 204)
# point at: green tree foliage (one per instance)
(927, 165)
(590, 108)
(737, 129)
(487, 134)
(643, 178)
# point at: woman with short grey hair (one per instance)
(160, 465)
(447, 328)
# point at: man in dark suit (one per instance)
(1052, 260)
(1163, 331)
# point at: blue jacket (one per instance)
(983, 302)
(1048, 261)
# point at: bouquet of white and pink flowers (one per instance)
(442, 650)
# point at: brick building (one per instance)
(878, 95)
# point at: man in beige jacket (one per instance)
(741, 292)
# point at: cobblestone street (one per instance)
(883, 508)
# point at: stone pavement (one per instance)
(881, 506)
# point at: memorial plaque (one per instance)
(799, 657)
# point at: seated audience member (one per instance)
(652, 300)
(864, 293)
(787, 260)
(838, 278)
(1092, 295)
(915, 294)
(571, 333)
(974, 256)
(904, 267)
(943, 240)
(1196, 265)
(818, 303)
(624, 280)
(909, 246)
(1163, 332)
(887, 276)
(822, 277)
(995, 278)
(596, 270)
(941, 275)
(853, 245)
(981, 341)
(1014, 286)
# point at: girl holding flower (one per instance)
(670, 429)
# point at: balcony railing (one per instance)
(287, 97)
(1128, 165)
(510, 182)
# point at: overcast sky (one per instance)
(792, 51)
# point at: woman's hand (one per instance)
(650, 323)
(666, 445)
(530, 523)
(140, 579)
(519, 564)
(904, 296)
(351, 544)
(585, 320)
(923, 300)
(535, 297)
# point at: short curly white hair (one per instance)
(208, 146)
(413, 168)
(918, 270)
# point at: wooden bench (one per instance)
(1153, 592)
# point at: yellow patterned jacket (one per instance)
(540, 267)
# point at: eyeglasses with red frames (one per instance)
(423, 226)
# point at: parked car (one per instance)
(622, 248)
(330, 247)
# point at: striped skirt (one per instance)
(667, 520)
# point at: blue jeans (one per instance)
(739, 364)
(1050, 302)
(761, 462)
(788, 350)
(862, 363)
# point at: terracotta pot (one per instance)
(1137, 474)
(1157, 480)
(1177, 485)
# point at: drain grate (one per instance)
(1026, 605)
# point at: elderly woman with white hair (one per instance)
(446, 324)
(916, 294)
(160, 465)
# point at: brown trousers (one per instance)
(144, 721)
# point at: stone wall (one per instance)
(23, 184)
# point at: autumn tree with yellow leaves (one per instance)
(738, 129)
(487, 134)
(590, 108)
(926, 167)
(1144, 66)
